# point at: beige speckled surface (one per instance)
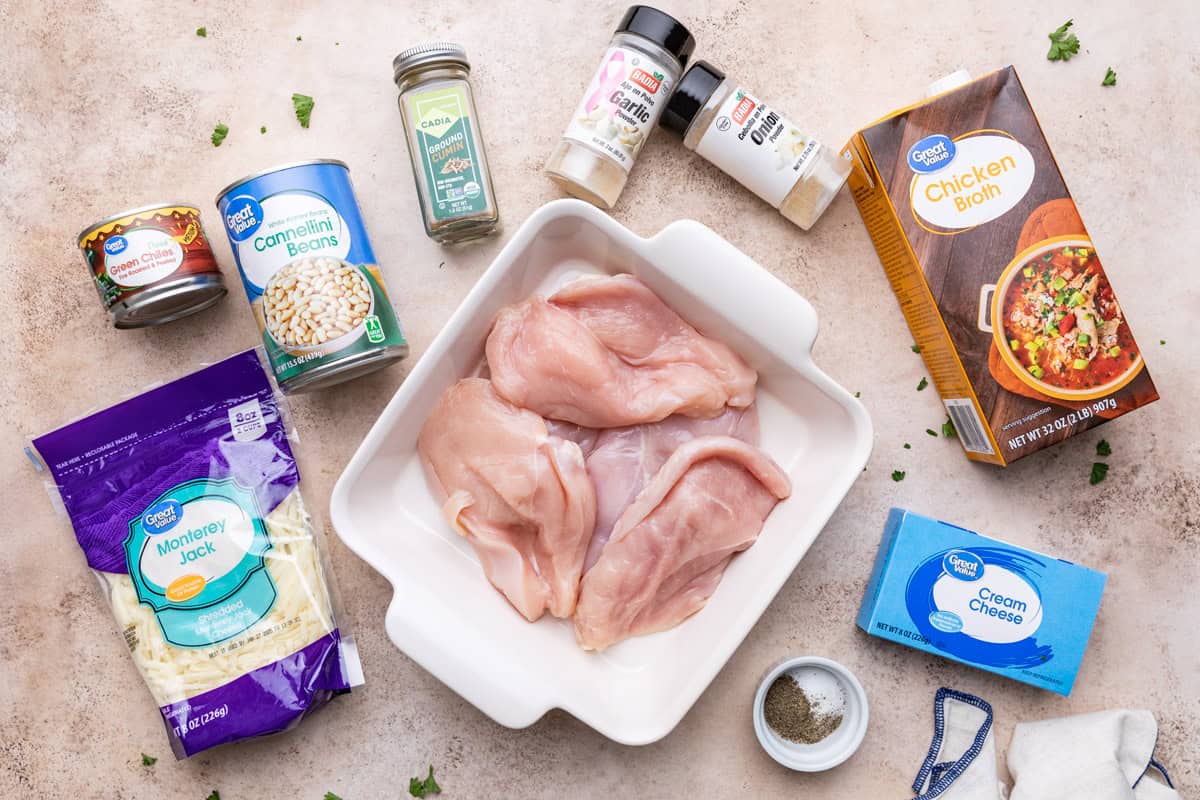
(103, 107)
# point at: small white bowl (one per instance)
(837, 746)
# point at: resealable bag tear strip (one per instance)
(186, 503)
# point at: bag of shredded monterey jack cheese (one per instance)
(186, 503)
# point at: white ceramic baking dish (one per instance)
(447, 617)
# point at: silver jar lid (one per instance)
(424, 54)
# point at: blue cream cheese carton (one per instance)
(949, 591)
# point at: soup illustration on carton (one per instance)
(1000, 282)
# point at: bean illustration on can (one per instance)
(152, 264)
(310, 274)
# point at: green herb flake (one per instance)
(424, 788)
(931, 432)
(1103, 448)
(1063, 44)
(921, 386)
(858, 394)
(897, 475)
(299, 39)
(907, 446)
(219, 133)
(202, 32)
(1110, 78)
(1162, 341)
(916, 348)
(214, 796)
(1099, 473)
(263, 129)
(948, 428)
(332, 796)
(148, 761)
(304, 106)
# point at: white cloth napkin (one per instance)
(961, 764)
(1108, 755)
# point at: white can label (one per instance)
(757, 146)
(621, 105)
(145, 256)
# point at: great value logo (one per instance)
(931, 153)
(963, 565)
(116, 245)
(243, 216)
(161, 517)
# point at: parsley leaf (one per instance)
(907, 446)
(299, 39)
(931, 432)
(214, 796)
(1099, 472)
(921, 386)
(219, 133)
(1063, 45)
(858, 394)
(331, 796)
(202, 32)
(948, 428)
(1162, 341)
(148, 761)
(1103, 448)
(263, 129)
(897, 475)
(916, 348)
(423, 788)
(304, 106)
(1110, 78)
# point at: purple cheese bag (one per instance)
(186, 503)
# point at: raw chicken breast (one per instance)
(622, 461)
(670, 548)
(521, 496)
(606, 353)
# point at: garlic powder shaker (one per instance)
(622, 104)
(755, 144)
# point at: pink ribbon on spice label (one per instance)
(611, 75)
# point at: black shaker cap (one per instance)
(692, 92)
(660, 28)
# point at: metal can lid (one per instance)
(280, 168)
(133, 212)
(425, 54)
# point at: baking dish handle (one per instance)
(675, 246)
(985, 304)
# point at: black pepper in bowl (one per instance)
(790, 713)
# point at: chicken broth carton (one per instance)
(1001, 284)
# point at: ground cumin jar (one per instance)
(441, 129)
(152, 264)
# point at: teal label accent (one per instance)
(448, 152)
(196, 558)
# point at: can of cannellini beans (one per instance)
(152, 264)
(310, 274)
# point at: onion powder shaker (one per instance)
(755, 144)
